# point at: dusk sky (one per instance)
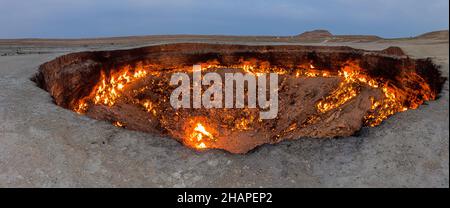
(88, 18)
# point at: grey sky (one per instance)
(90, 18)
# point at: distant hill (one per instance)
(438, 35)
(325, 35)
(315, 34)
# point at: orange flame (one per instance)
(109, 90)
(198, 136)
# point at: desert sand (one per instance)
(45, 145)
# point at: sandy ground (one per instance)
(44, 145)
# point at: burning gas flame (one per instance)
(392, 102)
(118, 124)
(199, 136)
(111, 87)
(109, 90)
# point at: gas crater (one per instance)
(323, 91)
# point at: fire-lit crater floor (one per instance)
(45, 145)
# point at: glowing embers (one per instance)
(148, 105)
(346, 91)
(394, 99)
(109, 89)
(353, 77)
(398, 100)
(198, 135)
(309, 110)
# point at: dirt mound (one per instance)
(393, 50)
(315, 34)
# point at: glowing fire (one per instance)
(111, 87)
(109, 90)
(381, 109)
(199, 136)
(118, 124)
